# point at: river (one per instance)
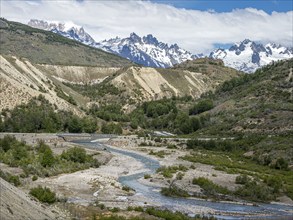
(221, 210)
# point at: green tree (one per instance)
(7, 142)
(74, 125)
(201, 106)
(195, 123)
(89, 125)
(111, 128)
(47, 158)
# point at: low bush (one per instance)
(201, 106)
(256, 192)
(126, 188)
(281, 164)
(160, 153)
(242, 179)
(10, 178)
(75, 154)
(168, 172)
(43, 194)
(174, 191)
(171, 146)
(209, 187)
(147, 176)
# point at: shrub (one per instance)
(111, 128)
(255, 191)
(179, 176)
(166, 214)
(201, 106)
(34, 178)
(126, 188)
(47, 158)
(274, 182)
(75, 125)
(43, 194)
(147, 176)
(6, 142)
(171, 146)
(75, 154)
(281, 164)
(242, 179)
(168, 172)
(174, 191)
(10, 178)
(209, 187)
(158, 140)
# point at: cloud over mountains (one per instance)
(196, 31)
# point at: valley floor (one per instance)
(97, 186)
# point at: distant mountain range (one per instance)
(246, 56)
(146, 50)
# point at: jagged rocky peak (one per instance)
(150, 39)
(248, 55)
(146, 50)
(135, 38)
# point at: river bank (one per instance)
(125, 163)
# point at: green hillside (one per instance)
(257, 103)
(44, 47)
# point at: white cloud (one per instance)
(194, 30)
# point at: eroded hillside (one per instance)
(20, 80)
(73, 76)
(15, 204)
(70, 87)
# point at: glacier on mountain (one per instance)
(246, 56)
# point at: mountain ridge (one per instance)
(248, 55)
(40, 46)
(245, 56)
(146, 50)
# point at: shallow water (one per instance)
(190, 206)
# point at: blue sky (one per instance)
(226, 6)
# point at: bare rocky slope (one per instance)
(15, 204)
(20, 80)
(36, 62)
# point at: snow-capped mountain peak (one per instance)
(146, 50)
(246, 55)
(150, 39)
(67, 29)
(249, 55)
